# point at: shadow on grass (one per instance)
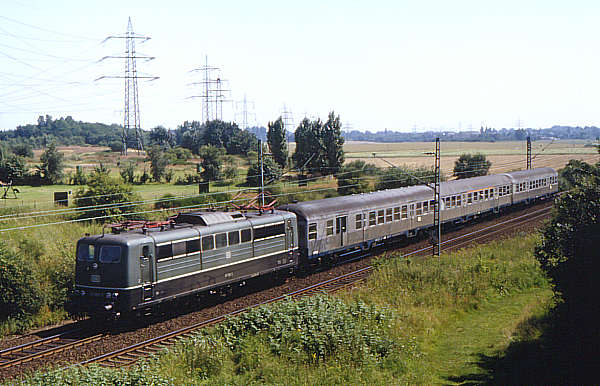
(566, 353)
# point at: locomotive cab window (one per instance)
(109, 254)
(312, 231)
(85, 252)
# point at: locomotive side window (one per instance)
(221, 240)
(329, 227)
(359, 221)
(208, 243)
(192, 246)
(312, 231)
(269, 231)
(247, 234)
(234, 237)
(109, 254)
(85, 252)
(179, 248)
(164, 251)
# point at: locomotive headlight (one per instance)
(115, 294)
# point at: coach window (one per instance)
(419, 208)
(432, 205)
(380, 217)
(388, 215)
(453, 201)
(372, 218)
(404, 212)
(459, 200)
(233, 237)
(486, 194)
(397, 213)
(312, 231)
(192, 246)
(208, 243)
(358, 221)
(481, 195)
(469, 198)
(425, 207)
(329, 227)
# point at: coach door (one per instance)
(341, 229)
(146, 272)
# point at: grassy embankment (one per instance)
(423, 322)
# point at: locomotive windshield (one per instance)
(106, 253)
(109, 254)
(85, 252)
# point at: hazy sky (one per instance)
(379, 64)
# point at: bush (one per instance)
(20, 294)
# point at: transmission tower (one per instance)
(131, 135)
(213, 93)
(245, 104)
(288, 119)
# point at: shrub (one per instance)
(20, 294)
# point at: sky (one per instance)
(397, 65)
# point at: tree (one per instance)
(159, 161)
(401, 176)
(568, 252)
(351, 178)
(127, 172)
(161, 137)
(468, 166)
(103, 196)
(23, 149)
(309, 146)
(211, 163)
(334, 144)
(52, 165)
(12, 168)
(271, 172)
(277, 142)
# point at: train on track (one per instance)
(140, 265)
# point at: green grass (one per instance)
(435, 321)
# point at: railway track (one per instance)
(45, 347)
(129, 355)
